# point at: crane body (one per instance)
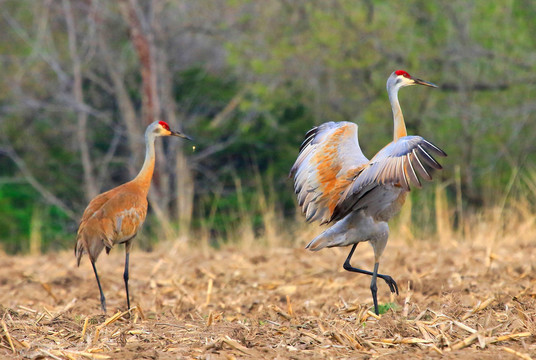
(336, 184)
(115, 216)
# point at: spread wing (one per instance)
(399, 164)
(329, 159)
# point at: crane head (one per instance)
(161, 128)
(401, 78)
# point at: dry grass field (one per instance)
(470, 297)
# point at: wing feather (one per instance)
(419, 166)
(401, 170)
(309, 136)
(428, 159)
(329, 159)
(399, 165)
(410, 171)
(432, 148)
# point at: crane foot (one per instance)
(391, 282)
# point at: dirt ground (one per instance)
(464, 300)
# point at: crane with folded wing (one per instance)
(115, 216)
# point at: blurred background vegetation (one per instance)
(246, 79)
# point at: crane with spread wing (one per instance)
(336, 184)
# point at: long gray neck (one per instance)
(146, 173)
(398, 118)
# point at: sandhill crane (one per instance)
(336, 183)
(115, 216)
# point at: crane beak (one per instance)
(425, 83)
(181, 135)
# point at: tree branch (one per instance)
(143, 43)
(125, 104)
(89, 180)
(103, 165)
(213, 149)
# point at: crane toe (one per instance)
(391, 282)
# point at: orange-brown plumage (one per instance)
(328, 170)
(323, 171)
(111, 218)
(115, 216)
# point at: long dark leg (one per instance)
(374, 288)
(389, 280)
(102, 298)
(125, 274)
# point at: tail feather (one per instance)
(316, 244)
(354, 228)
(328, 238)
(90, 243)
(79, 249)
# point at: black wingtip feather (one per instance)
(418, 165)
(434, 149)
(309, 136)
(428, 159)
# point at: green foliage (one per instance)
(18, 202)
(384, 308)
(260, 145)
